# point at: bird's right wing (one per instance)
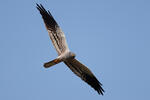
(55, 33)
(85, 74)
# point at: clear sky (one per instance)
(111, 37)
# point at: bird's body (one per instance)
(64, 54)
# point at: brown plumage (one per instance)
(64, 54)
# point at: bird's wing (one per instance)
(56, 34)
(85, 74)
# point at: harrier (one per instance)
(64, 54)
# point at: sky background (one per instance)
(111, 37)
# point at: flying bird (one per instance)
(64, 54)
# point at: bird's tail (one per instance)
(51, 63)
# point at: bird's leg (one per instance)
(51, 63)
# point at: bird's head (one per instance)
(72, 55)
(67, 56)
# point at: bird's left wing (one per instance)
(85, 74)
(55, 33)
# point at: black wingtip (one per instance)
(38, 6)
(43, 10)
(47, 16)
(94, 83)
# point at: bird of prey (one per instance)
(64, 54)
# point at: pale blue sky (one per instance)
(111, 37)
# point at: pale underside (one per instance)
(60, 44)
